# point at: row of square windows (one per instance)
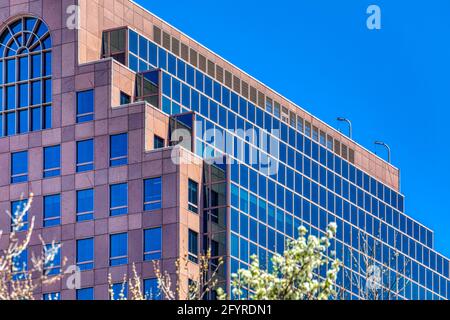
(84, 157)
(118, 203)
(118, 252)
(151, 291)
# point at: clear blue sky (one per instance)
(394, 84)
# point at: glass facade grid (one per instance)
(313, 186)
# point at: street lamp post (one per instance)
(350, 127)
(380, 143)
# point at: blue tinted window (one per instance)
(85, 205)
(54, 296)
(143, 47)
(162, 59)
(36, 66)
(181, 70)
(119, 199)
(19, 167)
(118, 249)
(10, 71)
(19, 218)
(119, 291)
(23, 95)
(152, 194)
(152, 244)
(85, 294)
(23, 122)
(52, 210)
(20, 265)
(52, 161)
(151, 289)
(172, 64)
(10, 98)
(36, 121)
(133, 39)
(36, 92)
(85, 155)
(85, 106)
(85, 254)
(119, 150)
(153, 54)
(52, 266)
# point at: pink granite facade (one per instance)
(141, 121)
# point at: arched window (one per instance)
(25, 77)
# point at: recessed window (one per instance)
(85, 155)
(152, 194)
(20, 265)
(85, 106)
(119, 291)
(17, 208)
(52, 161)
(119, 150)
(54, 296)
(118, 199)
(85, 254)
(118, 249)
(193, 196)
(85, 294)
(151, 289)
(193, 246)
(52, 211)
(85, 205)
(158, 142)
(124, 98)
(52, 266)
(152, 244)
(19, 167)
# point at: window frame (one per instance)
(53, 269)
(120, 160)
(193, 207)
(83, 289)
(160, 140)
(51, 218)
(148, 205)
(90, 116)
(87, 264)
(120, 210)
(193, 256)
(85, 166)
(123, 260)
(56, 170)
(85, 213)
(20, 177)
(148, 255)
